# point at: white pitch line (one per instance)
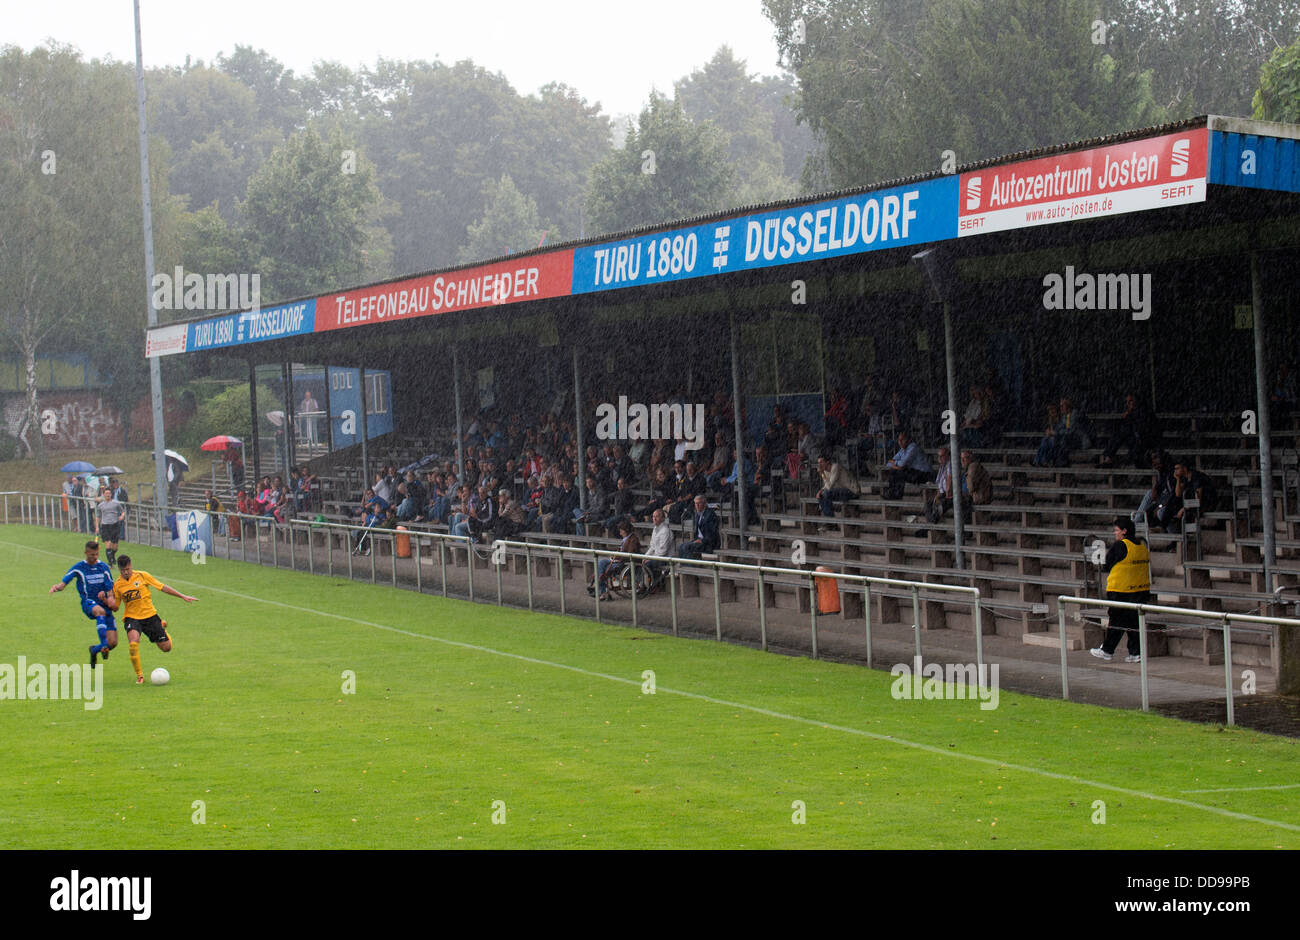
(1283, 786)
(902, 742)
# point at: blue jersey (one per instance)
(91, 579)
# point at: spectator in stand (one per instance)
(707, 535)
(1189, 483)
(245, 506)
(597, 508)
(407, 507)
(383, 487)
(1162, 483)
(976, 484)
(460, 507)
(1069, 433)
(899, 416)
(731, 484)
(560, 516)
(1135, 430)
(977, 414)
(483, 517)
(775, 437)
(761, 477)
(937, 507)
(118, 490)
(621, 506)
(533, 500)
(837, 418)
(663, 492)
(909, 465)
(623, 465)
(717, 468)
(608, 568)
(838, 485)
(510, 517)
(212, 506)
(661, 543)
(235, 466)
(372, 512)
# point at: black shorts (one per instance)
(151, 627)
(111, 531)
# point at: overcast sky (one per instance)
(611, 51)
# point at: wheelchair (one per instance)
(649, 579)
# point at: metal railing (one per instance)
(1223, 618)
(148, 520)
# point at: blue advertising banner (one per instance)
(1255, 161)
(886, 218)
(252, 326)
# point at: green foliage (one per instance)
(224, 411)
(724, 94)
(1278, 96)
(509, 224)
(691, 174)
(305, 217)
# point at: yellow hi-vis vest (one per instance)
(1133, 574)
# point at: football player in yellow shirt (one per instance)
(140, 616)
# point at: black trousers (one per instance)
(1124, 621)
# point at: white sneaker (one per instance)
(1101, 654)
(1132, 659)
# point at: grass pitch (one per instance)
(462, 712)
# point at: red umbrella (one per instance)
(221, 442)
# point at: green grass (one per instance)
(460, 705)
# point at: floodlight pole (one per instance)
(155, 371)
(1264, 425)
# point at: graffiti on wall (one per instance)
(69, 421)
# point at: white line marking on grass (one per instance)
(902, 742)
(1283, 786)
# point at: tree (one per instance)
(306, 215)
(669, 168)
(1278, 96)
(510, 223)
(71, 249)
(725, 94)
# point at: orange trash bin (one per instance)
(828, 593)
(403, 542)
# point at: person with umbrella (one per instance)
(230, 448)
(176, 467)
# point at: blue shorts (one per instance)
(88, 608)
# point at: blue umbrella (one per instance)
(77, 466)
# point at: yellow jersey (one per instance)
(134, 593)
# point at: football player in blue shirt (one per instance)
(95, 585)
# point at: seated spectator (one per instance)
(373, 511)
(707, 534)
(692, 484)
(663, 493)
(909, 465)
(597, 509)
(716, 471)
(1135, 430)
(1189, 483)
(731, 485)
(621, 505)
(510, 517)
(937, 506)
(1068, 434)
(661, 543)
(560, 516)
(245, 506)
(1162, 483)
(837, 418)
(608, 568)
(838, 485)
(537, 487)
(976, 484)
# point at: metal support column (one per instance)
(1264, 424)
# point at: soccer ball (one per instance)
(160, 676)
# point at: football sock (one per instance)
(134, 649)
(103, 636)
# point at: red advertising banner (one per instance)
(530, 278)
(1083, 184)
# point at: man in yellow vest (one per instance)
(1128, 578)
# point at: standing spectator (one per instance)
(244, 506)
(1128, 578)
(309, 410)
(837, 418)
(838, 485)
(977, 414)
(69, 502)
(1283, 392)
(234, 466)
(212, 506)
(909, 465)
